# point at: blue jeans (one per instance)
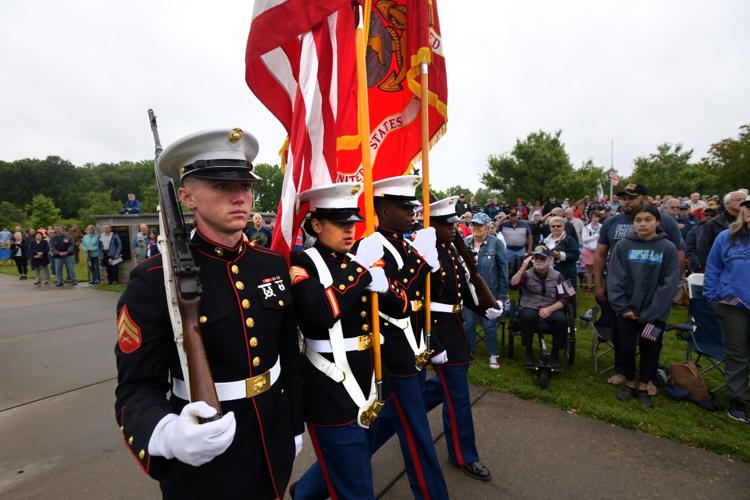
(509, 254)
(69, 262)
(471, 319)
(93, 263)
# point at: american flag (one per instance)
(300, 63)
(614, 179)
(651, 332)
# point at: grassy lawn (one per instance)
(81, 273)
(580, 391)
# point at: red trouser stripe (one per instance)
(451, 415)
(412, 449)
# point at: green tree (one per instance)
(728, 162)
(268, 191)
(99, 203)
(43, 211)
(584, 180)
(11, 215)
(536, 167)
(459, 190)
(669, 171)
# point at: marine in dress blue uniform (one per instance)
(249, 331)
(330, 294)
(406, 265)
(450, 386)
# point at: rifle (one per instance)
(482, 294)
(183, 287)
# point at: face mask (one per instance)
(539, 266)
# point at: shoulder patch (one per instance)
(128, 332)
(297, 274)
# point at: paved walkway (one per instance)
(58, 437)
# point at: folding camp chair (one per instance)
(600, 317)
(705, 338)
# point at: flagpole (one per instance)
(611, 167)
(364, 133)
(425, 111)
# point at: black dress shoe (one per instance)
(477, 471)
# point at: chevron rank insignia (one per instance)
(297, 274)
(128, 332)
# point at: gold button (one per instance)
(363, 314)
(406, 280)
(364, 298)
(256, 361)
(235, 270)
(122, 428)
(202, 319)
(359, 269)
(130, 440)
(142, 454)
(240, 285)
(245, 304)
(350, 278)
(219, 251)
(459, 295)
(411, 271)
(417, 293)
(343, 265)
(419, 261)
(281, 303)
(365, 327)
(250, 322)
(253, 341)
(385, 323)
(341, 287)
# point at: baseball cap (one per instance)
(481, 218)
(633, 189)
(541, 250)
(746, 203)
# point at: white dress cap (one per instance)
(445, 208)
(339, 195)
(212, 154)
(402, 185)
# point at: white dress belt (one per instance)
(361, 343)
(240, 389)
(444, 308)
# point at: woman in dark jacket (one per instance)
(39, 253)
(565, 253)
(20, 255)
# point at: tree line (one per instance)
(44, 192)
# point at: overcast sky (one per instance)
(76, 77)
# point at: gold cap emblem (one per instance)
(235, 135)
(356, 188)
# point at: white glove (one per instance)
(297, 444)
(425, 242)
(379, 282)
(492, 313)
(183, 438)
(439, 359)
(369, 251)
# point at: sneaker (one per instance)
(645, 399)
(59, 285)
(74, 283)
(626, 394)
(737, 411)
(495, 362)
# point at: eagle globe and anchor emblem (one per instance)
(386, 41)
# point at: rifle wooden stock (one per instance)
(183, 285)
(484, 294)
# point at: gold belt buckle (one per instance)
(364, 342)
(416, 305)
(257, 384)
(456, 308)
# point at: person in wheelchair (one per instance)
(543, 299)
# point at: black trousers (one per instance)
(630, 337)
(22, 264)
(530, 323)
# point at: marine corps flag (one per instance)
(300, 63)
(402, 34)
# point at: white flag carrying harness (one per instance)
(339, 371)
(402, 323)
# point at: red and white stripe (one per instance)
(293, 54)
(614, 179)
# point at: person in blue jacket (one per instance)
(132, 206)
(726, 284)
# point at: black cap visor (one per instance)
(338, 214)
(445, 219)
(220, 170)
